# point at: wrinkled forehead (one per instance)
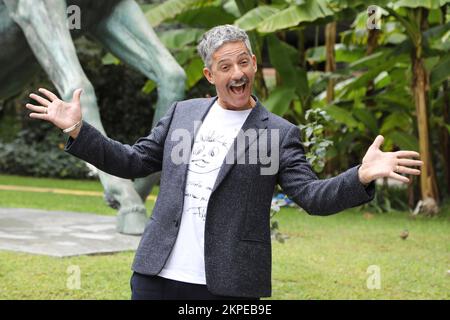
(230, 50)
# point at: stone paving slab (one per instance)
(61, 234)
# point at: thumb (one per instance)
(378, 142)
(77, 95)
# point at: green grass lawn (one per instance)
(53, 201)
(324, 257)
(85, 185)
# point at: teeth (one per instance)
(237, 89)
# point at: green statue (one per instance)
(39, 33)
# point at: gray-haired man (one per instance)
(209, 234)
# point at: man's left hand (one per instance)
(378, 164)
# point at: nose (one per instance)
(237, 73)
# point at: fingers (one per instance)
(77, 95)
(41, 116)
(398, 177)
(407, 154)
(34, 108)
(39, 99)
(405, 170)
(378, 141)
(48, 94)
(410, 163)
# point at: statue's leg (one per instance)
(44, 25)
(128, 35)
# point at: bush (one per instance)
(31, 160)
(44, 158)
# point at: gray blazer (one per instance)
(237, 228)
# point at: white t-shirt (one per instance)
(220, 127)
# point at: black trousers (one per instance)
(144, 287)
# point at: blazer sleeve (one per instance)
(316, 196)
(122, 160)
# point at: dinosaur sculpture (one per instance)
(36, 34)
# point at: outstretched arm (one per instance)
(87, 143)
(348, 189)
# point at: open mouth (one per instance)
(238, 89)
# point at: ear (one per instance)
(208, 75)
(254, 62)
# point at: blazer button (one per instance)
(177, 223)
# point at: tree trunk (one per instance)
(445, 137)
(301, 47)
(372, 44)
(330, 66)
(372, 41)
(420, 87)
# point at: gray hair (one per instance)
(218, 36)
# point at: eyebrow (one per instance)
(240, 55)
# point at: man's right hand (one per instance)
(62, 114)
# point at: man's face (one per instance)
(232, 72)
